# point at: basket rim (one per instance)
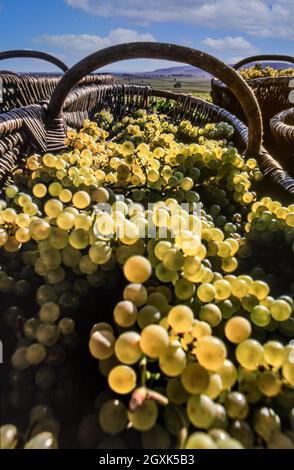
(261, 80)
(16, 120)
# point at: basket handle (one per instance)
(264, 57)
(35, 55)
(153, 50)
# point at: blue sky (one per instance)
(72, 29)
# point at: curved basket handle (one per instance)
(150, 50)
(264, 57)
(34, 55)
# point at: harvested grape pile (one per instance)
(146, 294)
(258, 71)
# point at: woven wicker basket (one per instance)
(282, 128)
(272, 93)
(42, 127)
(25, 89)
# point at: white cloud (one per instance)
(262, 18)
(230, 45)
(84, 44)
(76, 46)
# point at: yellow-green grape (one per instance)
(201, 411)
(200, 440)
(222, 289)
(39, 190)
(43, 440)
(260, 316)
(266, 422)
(164, 274)
(211, 314)
(280, 310)
(137, 269)
(8, 437)
(86, 265)
(180, 318)
(288, 370)
(173, 361)
(259, 289)
(81, 200)
(191, 265)
(22, 220)
(136, 293)
(100, 195)
(8, 215)
(229, 264)
(66, 326)
(290, 219)
(127, 347)
(173, 259)
(224, 249)
(148, 315)
(39, 229)
(187, 184)
(237, 329)
(269, 383)
(161, 248)
(144, 417)
(65, 196)
(249, 354)
(273, 354)
(65, 220)
(189, 242)
(55, 189)
(200, 328)
(206, 292)
(35, 353)
(100, 252)
(228, 374)
(239, 288)
(22, 235)
(101, 344)
(53, 208)
(79, 239)
(184, 289)
(122, 379)
(83, 221)
(125, 313)
(236, 405)
(195, 379)
(154, 341)
(102, 326)
(113, 417)
(12, 245)
(58, 238)
(19, 359)
(210, 352)
(175, 392)
(47, 334)
(229, 443)
(215, 386)
(49, 312)
(158, 300)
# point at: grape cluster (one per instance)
(194, 352)
(259, 71)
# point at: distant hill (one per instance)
(189, 70)
(179, 71)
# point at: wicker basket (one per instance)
(282, 128)
(25, 89)
(42, 127)
(272, 93)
